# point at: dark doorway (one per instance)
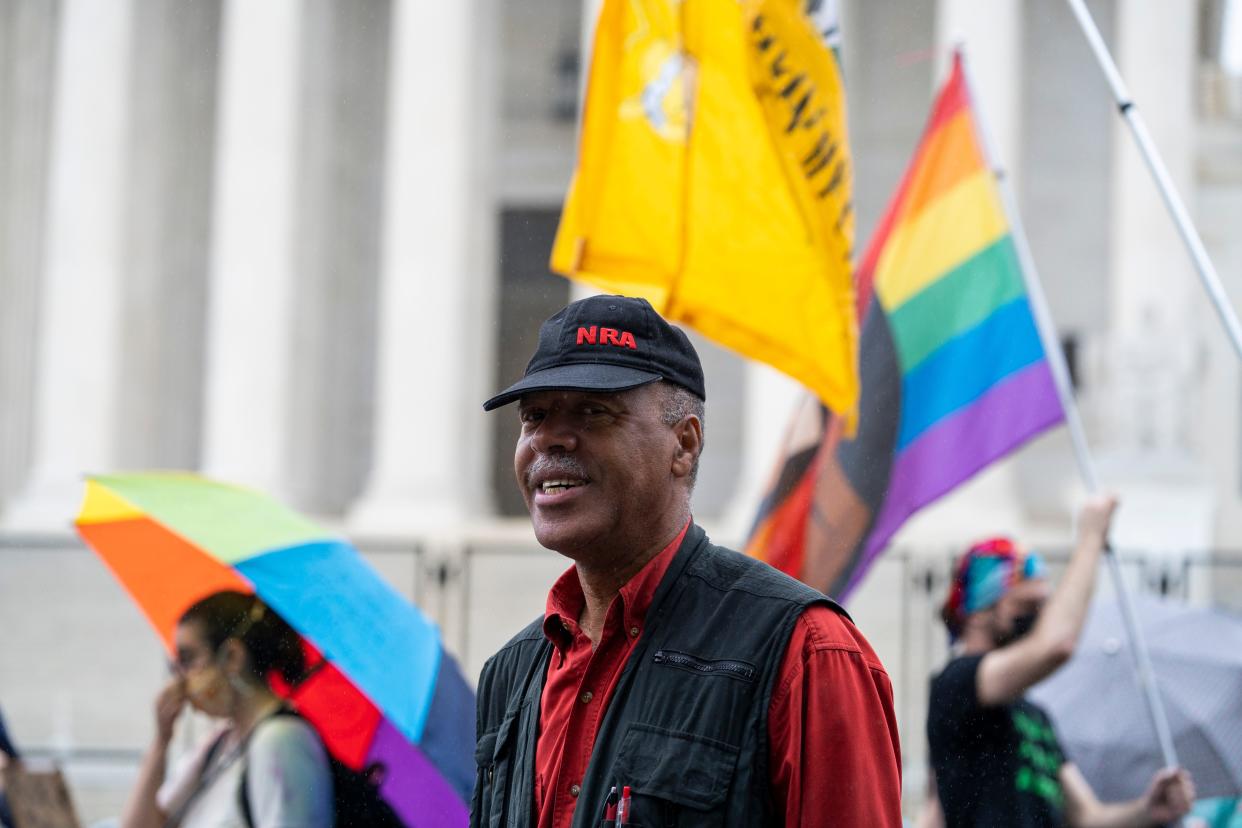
(528, 294)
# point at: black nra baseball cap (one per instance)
(607, 343)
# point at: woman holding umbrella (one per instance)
(261, 769)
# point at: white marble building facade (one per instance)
(296, 243)
(279, 242)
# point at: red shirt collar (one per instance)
(566, 600)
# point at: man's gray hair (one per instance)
(678, 404)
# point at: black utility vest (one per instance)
(687, 725)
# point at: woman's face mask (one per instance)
(201, 669)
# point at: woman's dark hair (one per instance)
(271, 643)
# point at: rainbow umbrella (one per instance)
(381, 689)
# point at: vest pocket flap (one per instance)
(485, 749)
(685, 768)
(493, 744)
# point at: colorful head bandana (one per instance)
(984, 574)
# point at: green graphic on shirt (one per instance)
(1039, 759)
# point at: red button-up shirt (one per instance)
(834, 751)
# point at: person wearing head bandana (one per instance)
(995, 755)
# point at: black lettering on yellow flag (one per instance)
(714, 179)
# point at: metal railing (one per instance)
(481, 591)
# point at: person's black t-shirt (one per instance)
(994, 765)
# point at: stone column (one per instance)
(1152, 276)
(169, 186)
(1155, 345)
(436, 314)
(1216, 428)
(590, 16)
(27, 51)
(989, 32)
(339, 228)
(75, 399)
(251, 306)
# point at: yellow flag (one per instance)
(714, 180)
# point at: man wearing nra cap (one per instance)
(670, 681)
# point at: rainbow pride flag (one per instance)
(953, 371)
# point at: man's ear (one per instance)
(689, 434)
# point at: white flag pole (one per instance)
(1164, 183)
(1061, 378)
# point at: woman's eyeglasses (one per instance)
(185, 661)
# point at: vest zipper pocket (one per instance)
(736, 669)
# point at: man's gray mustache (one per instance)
(555, 464)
